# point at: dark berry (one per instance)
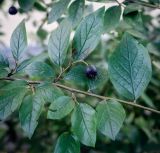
(91, 72)
(12, 10)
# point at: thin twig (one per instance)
(120, 4)
(68, 67)
(73, 90)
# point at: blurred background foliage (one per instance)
(141, 130)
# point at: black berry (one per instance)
(12, 10)
(91, 72)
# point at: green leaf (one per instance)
(67, 144)
(110, 117)
(4, 61)
(47, 92)
(40, 6)
(99, 80)
(57, 10)
(26, 5)
(10, 99)
(23, 65)
(131, 20)
(3, 71)
(76, 11)
(59, 43)
(60, 108)
(130, 68)
(18, 42)
(132, 8)
(112, 17)
(40, 70)
(78, 75)
(88, 33)
(136, 34)
(39, 58)
(15, 84)
(42, 33)
(84, 124)
(29, 113)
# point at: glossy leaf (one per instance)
(18, 42)
(26, 5)
(110, 117)
(84, 124)
(57, 10)
(112, 17)
(88, 33)
(60, 108)
(29, 113)
(59, 43)
(40, 70)
(67, 144)
(130, 68)
(76, 11)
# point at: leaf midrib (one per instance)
(130, 69)
(81, 110)
(80, 51)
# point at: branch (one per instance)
(73, 90)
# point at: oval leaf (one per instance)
(130, 68)
(18, 42)
(59, 42)
(87, 35)
(110, 117)
(84, 124)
